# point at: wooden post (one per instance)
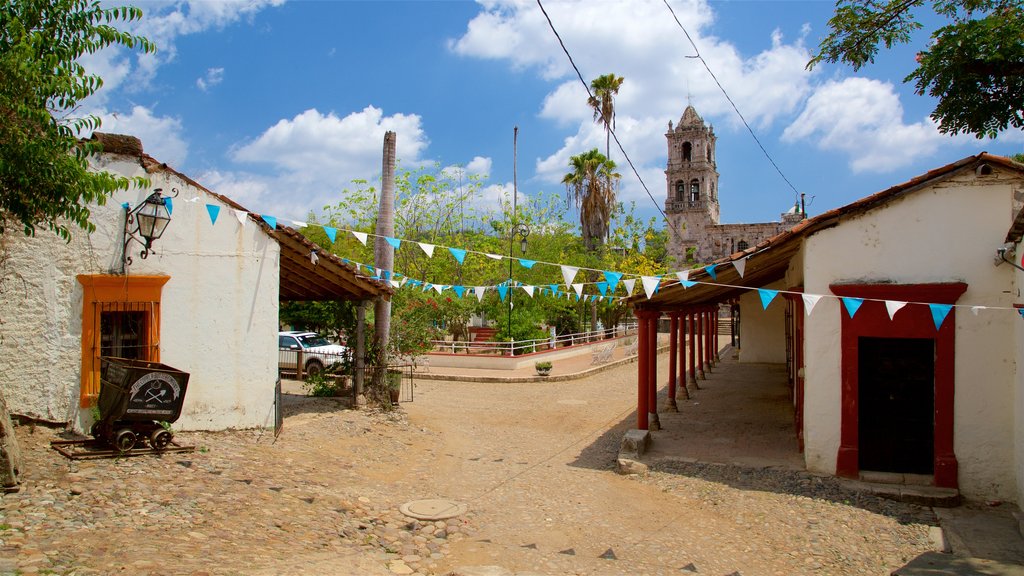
(641, 377)
(673, 342)
(681, 391)
(692, 372)
(299, 366)
(652, 370)
(701, 342)
(359, 379)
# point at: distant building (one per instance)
(691, 202)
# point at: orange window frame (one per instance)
(99, 289)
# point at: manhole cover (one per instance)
(435, 509)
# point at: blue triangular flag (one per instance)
(554, 290)
(852, 305)
(602, 287)
(332, 233)
(612, 278)
(527, 263)
(939, 312)
(395, 242)
(1021, 312)
(214, 210)
(502, 290)
(593, 297)
(458, 253)
(459, 290)
(126, 205)
(169, 204)
(688, 283)
(767, 296)
(711, 272)
(270, 220)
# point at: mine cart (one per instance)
(138, 401)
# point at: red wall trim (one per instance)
(913, 321)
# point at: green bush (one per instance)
(321, 387)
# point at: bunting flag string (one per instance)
(651, 284)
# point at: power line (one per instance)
(609, 128)
(722, 88)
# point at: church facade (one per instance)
(691, 202)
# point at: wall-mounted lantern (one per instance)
(145, 223)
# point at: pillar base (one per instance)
(682, 394)
(652, 421)
(670, 406)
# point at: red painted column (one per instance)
(701, 343)
(673, 343)
(716, 329)
(709, 354)
(642, 370)
(692, 371)
(681, 391)
(652, 367)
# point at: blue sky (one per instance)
(280, 104)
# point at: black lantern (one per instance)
(148, 220)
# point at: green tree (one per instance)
(591, 185)
(602, 101)
(973, 66)
(44, 174)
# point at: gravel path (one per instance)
(532, 461)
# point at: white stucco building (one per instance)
(897, 323)
(205, 301)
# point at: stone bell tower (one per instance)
(691, 203)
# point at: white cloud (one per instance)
(213, 77)
(160, 135)
(311, 158)
(640, 41)
(479, 165)
(863, 119)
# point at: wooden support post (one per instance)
(642, 369)
(692, 372)
(652, 370)
(701, 343)
(681, 391)
(673, 343)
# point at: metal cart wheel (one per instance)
(125, 440)
(96, 431)
(160, 439)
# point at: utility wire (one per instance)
(608, 127)
(722, 88)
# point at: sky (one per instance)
(280, 104)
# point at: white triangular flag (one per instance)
(394, 283)
(629, 285)
(975, 309)
(740, 265)
(529, 290)
(494, 256)
(242, 216)
(578, 288)
(479, 290)
(439, 288)
(361, 236)
(809, 301)
(893, 306)
(428, 248)
(299, 224)
(650, 284)
(683, 276)
(569, 273)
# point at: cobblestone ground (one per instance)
(533, 462)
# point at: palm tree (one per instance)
(603, 90)
(591, 185)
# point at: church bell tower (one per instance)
(691, 203)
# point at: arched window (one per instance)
(680, 190)
(687, 151)
(742, 245)
(694, 191)
(711, 192)
(709, 153)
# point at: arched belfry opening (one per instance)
(687, 152)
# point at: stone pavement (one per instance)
(532, 461)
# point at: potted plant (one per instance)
(394, 384)
(543, 367)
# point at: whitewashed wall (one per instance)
(946, 233)
(762, 330)
(1018, 384)
(219, 308)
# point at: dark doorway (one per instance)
(896, 407)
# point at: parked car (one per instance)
(318, 353)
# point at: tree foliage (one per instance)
(591, 185)
(44, 176)
(973, 66)
(602, 101)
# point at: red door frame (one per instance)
(913, 321)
